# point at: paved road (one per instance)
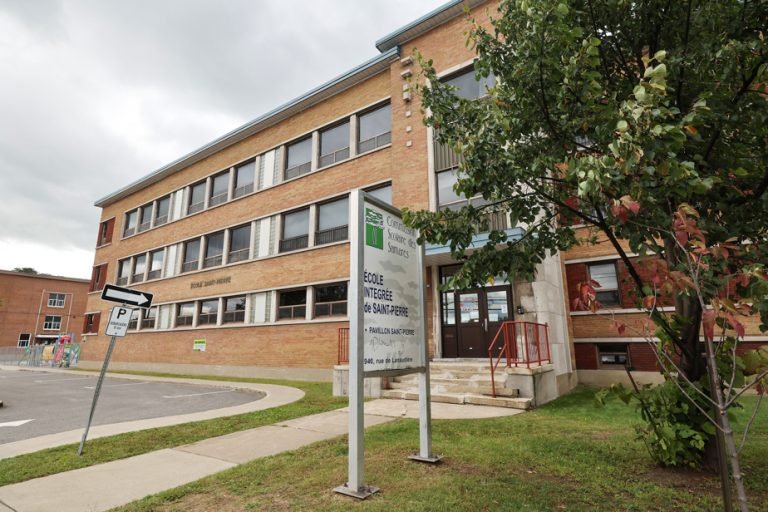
(59, 402)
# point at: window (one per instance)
(468, 86)
(299, 159)
(92, 322)
(612, 355)
(130, 223)
(234, 309)
(150, 316)
(332, 220)
(292, 305)
(105, 232)
(607, 288)
(133, 323)
(331, 300)
(374, 129)
(161, 211)
(334, 144)
(383, 193)
(196, 198)
(191, 255)
(24, 339)
(123, 271)
(52, 323)
(244, 174)
(446, 195)
(146, 217)
(156, 264)
(239, 243)
(214, 248)
(295, 230)
(209, 312)
(185, 313)
(56, 300)
(139, 266)
(219, 189)
(98, 277)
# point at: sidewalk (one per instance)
(112, 484)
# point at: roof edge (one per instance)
(425, 23)
(44, 276)
(334, 86)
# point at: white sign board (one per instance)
(393, 322)
(118, 321)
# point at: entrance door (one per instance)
(471, 321)
(497, 310)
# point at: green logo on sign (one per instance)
(374, 229)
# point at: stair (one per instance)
(459, 383)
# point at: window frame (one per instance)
(302, 168)
(177, 314)
(316, 303)
(617, 303)
(291, 307)
(48, 325)
(127, 229)
(135, 263)
(242, 190)
(145, 317)
(205, 318)
(298, 242)
(334, 233)
(339, 155)
(55, 302)
(240, 254)
(157, 219)
(142, 223)
(613, 366)
(218, 259)
(28, 340)
(385, 136)
(199, 206)
(185, 251)
(232, 317)
(221, 197)
(156, 273)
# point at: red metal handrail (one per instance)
(522, 345)
(343, 345)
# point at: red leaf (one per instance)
(621, 327)
(708, 321)
(649, 301)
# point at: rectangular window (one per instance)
(156, 264)
(299, 159)
(150, 317)
(24, 338)
(131, 218)
(383, 193)
(331, 300)
(234, 309)
(295, 230)
(239, 243)
(334, 144)
(209, 312)
(374, 129)
(446, 195)
(123, 271)
(161, 212)
(468, 86)
(98, 277)
(607, 288)
(105, 232)
(219, 189)
(52, 323)
(214, 248)
(191, 255)
(185, 314)
(133, 323)
(332, 221)
(612, 355)
(292, 305)
(139, 266)
(244, 175)
(196, 198)
(92, 322)
(146, 217)
(56, 300)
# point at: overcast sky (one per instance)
(96, 94)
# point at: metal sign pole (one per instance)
(97, 391)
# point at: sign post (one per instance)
(387, 325)
(117, 328)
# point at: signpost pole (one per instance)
(96, 392)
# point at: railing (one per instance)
(238, 255)
(328, 236)
(343, 345)
(298, 170)
(294, 244)
(332, 158)
(217, 199)
(241, 191)
(520, 344)
(374, 142)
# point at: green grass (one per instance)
(568, 455)
(64, 458)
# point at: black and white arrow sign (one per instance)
(126, 296)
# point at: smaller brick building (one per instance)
(36, 308)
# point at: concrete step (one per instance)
(461, 398)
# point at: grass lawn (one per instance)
(567, 455)
(64, 458)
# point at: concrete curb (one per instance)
(275, 396)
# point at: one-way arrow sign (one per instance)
(126, 296)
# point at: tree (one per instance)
(645, 120)
(25, 270)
